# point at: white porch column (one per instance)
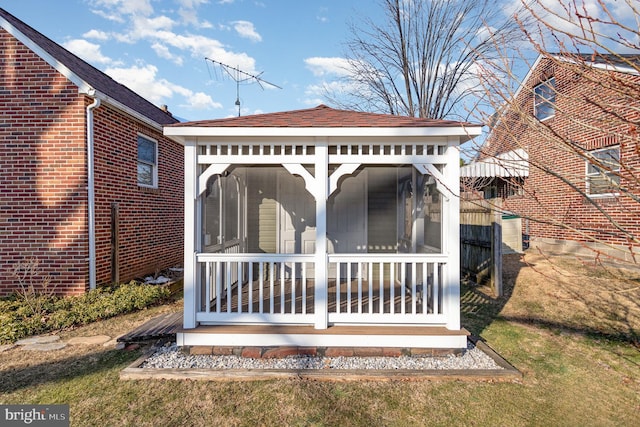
(190, 230)
(321, 191)
(451, 232)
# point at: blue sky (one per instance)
(157, 47)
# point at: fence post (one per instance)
(496, 252)
(115, 244)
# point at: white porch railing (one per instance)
(374, 289)
(387, 289)
(255, 288)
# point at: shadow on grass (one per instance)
(14, 379)
(479, 309)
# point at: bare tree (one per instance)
(422, 60)
(584, 159)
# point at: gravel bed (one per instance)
(169, 356)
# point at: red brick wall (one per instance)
(151, 221)
(552, 201)
(43, 181)
(43, 206)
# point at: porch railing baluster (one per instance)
(348, 287)
(261, 286)
(293, 288)
(360, 287)
(250, 286)
(228, 270)
(425, 287)
(413, 287)
(208, 287)
(271, 286)
(381, 286)
(436, 289)
(239, 287)
(282, 291)
(370, 283)
(338, 280)
(304, 288)
(218, 286)
(403, 288)
(392, 296)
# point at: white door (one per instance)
(297, 216)
(346, 216)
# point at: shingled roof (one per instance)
(323, 117)
(90, 75)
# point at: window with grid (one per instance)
(147, 162)
(603, 171)
(544, 99)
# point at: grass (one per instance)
(581, 366)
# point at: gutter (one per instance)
(91, 190)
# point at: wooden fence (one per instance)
(481, 243)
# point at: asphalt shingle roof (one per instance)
(323, 117)
(91, 75)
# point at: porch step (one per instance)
(352, 336)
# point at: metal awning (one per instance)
(512, 164)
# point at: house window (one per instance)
(603, 171)
(147, 162)
(544, 99)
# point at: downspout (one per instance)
(91, 190)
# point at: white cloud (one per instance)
(201, 101)
(143, 80)
(324, 66)
(246, 30)
(96, 35)
(163, 52)
(126, 7)
(192, 4)
(190, 17)
(88, 51)
(579, 18)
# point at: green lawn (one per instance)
(573, 375)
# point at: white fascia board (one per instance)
(600, 66)
(83, 87)
(120, 106)
(527, 77)
(181, 133)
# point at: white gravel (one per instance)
(169, 356)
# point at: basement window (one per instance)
(544, 99)
(603, 171)
(147, 162)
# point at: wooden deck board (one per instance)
(348, 296)
(164, 326)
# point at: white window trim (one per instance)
(154, 167)
(535, 104)
(587, 174)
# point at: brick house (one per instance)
(89, 186)
(564, 155)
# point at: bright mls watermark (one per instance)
(34, 415)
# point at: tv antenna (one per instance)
(240, 76)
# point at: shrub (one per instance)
(18, 319)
